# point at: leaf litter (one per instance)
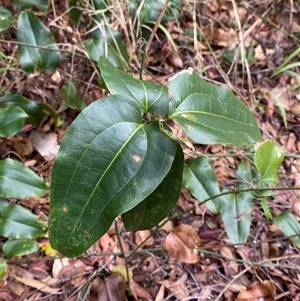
(264, 268)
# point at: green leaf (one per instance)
(151, 97)
(6, 18)
(289, 226)
(19, 247)
(3, 269)
(266, 208)
(109, 162)
(18, 181)
(39, 51)
(11, 121)
(40, 4)
(235, 211)
(267, 159)
(55, 116)
(200, 180)
(71, 97)
(209, 113)
(108, 43)
(18, 223)
(160, 202)
(34, 112)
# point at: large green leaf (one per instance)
(19, 247)
(18, 223)
(18, 181)
(33, 110)
(160, 202)
(289, 226)
(38, 50)
(40, 4)
(11, 121)
(200, 180)
(209, 113)
(109, 162)
(267, 159)
(151, 97)
(6, 18)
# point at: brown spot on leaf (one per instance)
(136, 158)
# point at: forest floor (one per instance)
(269, 31)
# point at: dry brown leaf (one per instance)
(112, 289)
(160, 294)
(140, 237)
(225, 251)
(182, 244)
(178, 288)
(39, 285)
(58, 264)
(257, 291)
(138, 291)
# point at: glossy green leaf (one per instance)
(18, 223)
(19, 247)
(209, 113)
(32, 109)
(11, 121)
(6, 18)
(71, 97)
(39, 50)
(151, 97)
(108, 43)
(19, 181)
(109, 162)
(267, 159)
(289, 226)
(200, 180)
(40, 4)
(266, 208)
(160, 202)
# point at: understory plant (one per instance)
(120, 157)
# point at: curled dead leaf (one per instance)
(257, 291)
(182, 244)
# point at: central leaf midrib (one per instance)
(100, 179)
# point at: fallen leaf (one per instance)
(160, 294)
(120, 269)
(138, 291)
(141, 236)
(39, 285)
(112, 289)
(257, 291)
(45, 143)
(178, 288)
(182, 244)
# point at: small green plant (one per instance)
(119, 157)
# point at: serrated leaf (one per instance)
(11, 121)
(151, 97)
(18, 223)
(209, 113)
(109, 162)
(34, 112)
(19, 181)
(290, 227)
(160, 202)
(39, 51)
(19, 247)
(6, 18)
(40, 4)
(200, 180)
(267, 159)
(71, 97)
